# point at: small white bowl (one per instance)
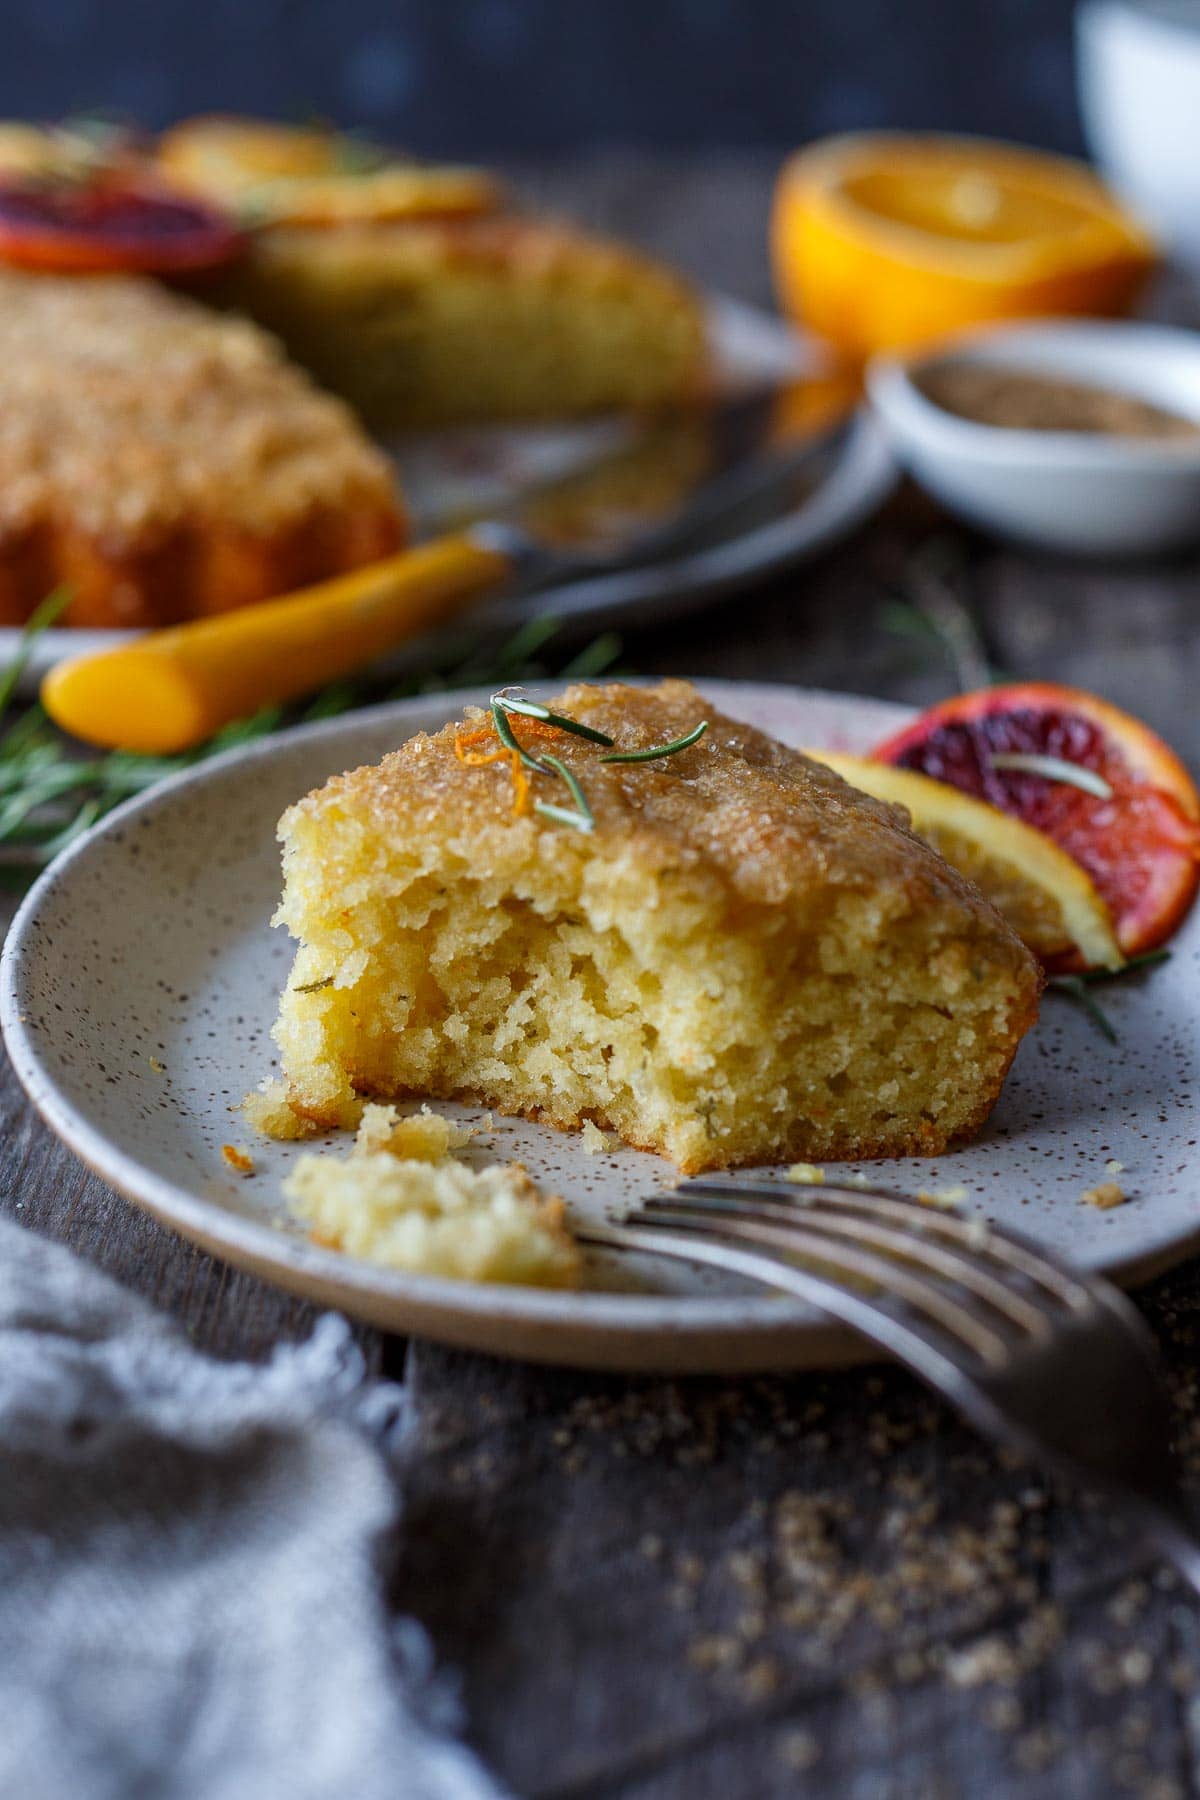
(1139, 92)
(1072, 491)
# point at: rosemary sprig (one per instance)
(510, 740)
(594, 659)
(40, 619)
(932, 604)
(563, 815)
(1077, 988)
(313, 987)
(582, 818)
(671, 749)
(531, 709)
(1054, 768)
(587, 819)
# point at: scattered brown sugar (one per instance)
(1024, 401)
(1105, 1195)
(237, 1159)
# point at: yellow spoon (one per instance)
(172, 689)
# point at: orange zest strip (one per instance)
(520, 785)
(476, 759)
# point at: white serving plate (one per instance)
(446, 474)
(150, 939)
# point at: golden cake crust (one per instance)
(738, 808)
(166, 461)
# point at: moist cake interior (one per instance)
(746, 961)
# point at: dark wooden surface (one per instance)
(825, 1585)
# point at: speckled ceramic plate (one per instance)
(139, 985)
(448, 474)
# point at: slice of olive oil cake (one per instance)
(630, 910)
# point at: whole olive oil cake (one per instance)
(743, 960)
(423, 295)
(163, 461)
(507, 317)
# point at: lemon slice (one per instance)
(1050, 902)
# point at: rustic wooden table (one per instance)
(821, 1584)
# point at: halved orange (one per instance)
(1049, 901)
(883, 241)
(1098, 781)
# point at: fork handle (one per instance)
(173, 689)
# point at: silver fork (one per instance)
(1034, 1352)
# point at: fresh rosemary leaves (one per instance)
(671, 749)
(1054, 768)
(1078, 988)
(579, 817)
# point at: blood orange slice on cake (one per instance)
(109, 222)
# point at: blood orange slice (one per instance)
(1093, 778)
(109, 222)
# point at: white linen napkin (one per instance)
(191, 1605)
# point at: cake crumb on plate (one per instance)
(1105, 1195)
(268, 1109)
(595, 1141)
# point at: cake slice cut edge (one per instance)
(745, 961)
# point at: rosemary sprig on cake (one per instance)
(474, 749)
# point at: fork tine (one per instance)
(905, 1336)
(923, 1296)
(911, 1244)
(1012, 1249)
